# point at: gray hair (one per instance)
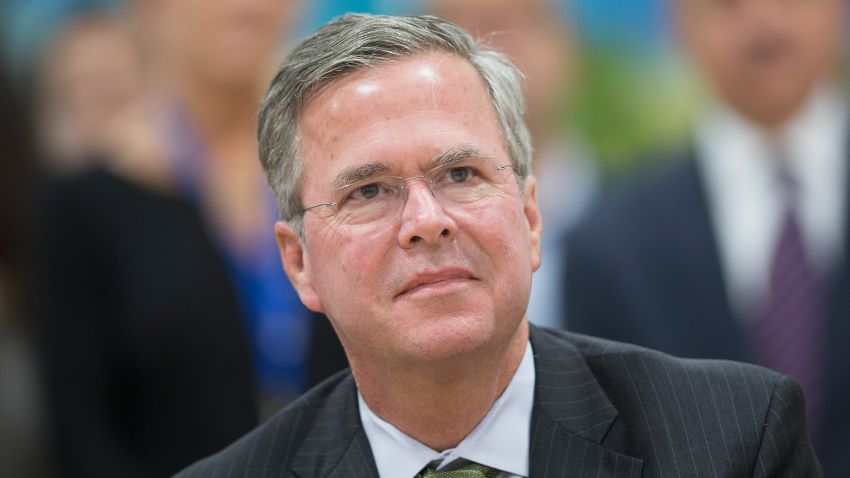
(355, 42)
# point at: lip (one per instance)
(436, 281)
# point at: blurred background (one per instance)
(145, 321)
(629, 61)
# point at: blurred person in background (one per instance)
(535, 36)
(738, 250)
(24, 450)
(91, 75)
(163, 295)
(211, 67)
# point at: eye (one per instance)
(459, 174)
(466, 174)
(367, 191)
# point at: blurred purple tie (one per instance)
(788, 335)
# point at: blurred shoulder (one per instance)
(94, 182)
(663, 185)
(80, 184)
(272, 446)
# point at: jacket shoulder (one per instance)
(627, 202)
(694, 416)
(619, 360)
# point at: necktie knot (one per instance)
(470, 470)
(787, 181)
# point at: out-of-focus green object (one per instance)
(631, 104)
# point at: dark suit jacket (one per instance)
(146, 352)
(601, 409)
(645, 268)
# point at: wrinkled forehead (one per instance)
(360, 92)
(423, 104)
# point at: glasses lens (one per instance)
(455, 184)
(467, 181)
(368, 201)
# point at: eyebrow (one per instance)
(455, 155)
(358, 173)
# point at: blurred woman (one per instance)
(92, 73)
(23, 450)
(163, 301)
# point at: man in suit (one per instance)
(737, 250)
(399, 154)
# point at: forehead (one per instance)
(411, 108)
(422, 83)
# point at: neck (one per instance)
(222, 113)
(440, 404)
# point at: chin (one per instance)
(774, 112)
(777, 97)
(451, 337)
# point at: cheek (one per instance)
(502, 238)
(352, 260)
(500, 229)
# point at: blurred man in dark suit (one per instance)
(738, 250)
(401, 161)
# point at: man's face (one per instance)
(434, 281)
(764, 56)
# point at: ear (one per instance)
(293, 255)
(535, 221)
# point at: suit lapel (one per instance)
(570, 420)
(837, 361)
(357, 460)
(336, 445)
(685, 229)
(571, 416)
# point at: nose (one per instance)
(423, 219)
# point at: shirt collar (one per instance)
(500, 440)
(736, 159)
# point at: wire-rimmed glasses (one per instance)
(380, 198)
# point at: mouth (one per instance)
(767, 49)
(435, 282)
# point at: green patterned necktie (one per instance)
(471, 470)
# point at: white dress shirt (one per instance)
(745, 197)
(500, 440)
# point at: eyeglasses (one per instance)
(377, 199)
